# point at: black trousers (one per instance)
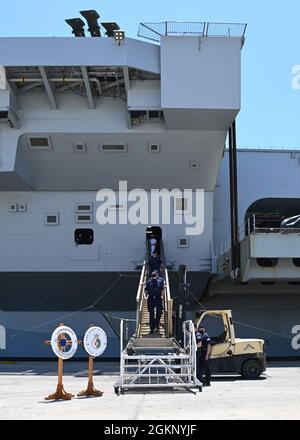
(203, 366)
(155, 311)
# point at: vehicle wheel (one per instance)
(251, 369)
(117, 391)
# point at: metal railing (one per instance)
(172, 369)
(263, 225)
(189, 339)
(139, 299)
(154, 31)
(167, 301)
(223, 247)
(168, 307)
(229, 30)
(266, 148)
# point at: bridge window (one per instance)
(146, 116)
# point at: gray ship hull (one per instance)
(32, 305)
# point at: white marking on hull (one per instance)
(2, 338)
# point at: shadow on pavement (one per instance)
(76, 369)
(233, 379)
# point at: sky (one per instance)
(269, 114)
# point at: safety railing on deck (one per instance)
(154, 31)
(168, 309)
(223, 247)
(167, 302)
(268, 224)
(257, 224)
(139, 299)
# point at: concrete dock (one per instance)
(23, 387)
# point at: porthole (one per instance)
(267, 262)
(84, 236)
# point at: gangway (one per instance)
(158, 360)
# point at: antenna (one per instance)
(110, 27)
(77, 25)
(92, 17)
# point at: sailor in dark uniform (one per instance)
(154, 294)
(203, 352)
(154, 263)
(159, 277)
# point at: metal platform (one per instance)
(157, 360)
(154, 345)
(158, 363)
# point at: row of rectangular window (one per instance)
(44, 143)
(53, 219)
(181, 205)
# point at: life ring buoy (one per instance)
(64, 342)
(95, 341)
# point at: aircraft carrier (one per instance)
(83, 113)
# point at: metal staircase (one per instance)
(142, 318)
(157, 361)
(145, 324)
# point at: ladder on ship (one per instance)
(157, 361)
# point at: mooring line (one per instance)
(242, 323)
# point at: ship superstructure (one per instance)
(80, 115)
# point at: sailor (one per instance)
(154, 294)
(160, 277)
(203, 352)
(154, 263)
(152, 243)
